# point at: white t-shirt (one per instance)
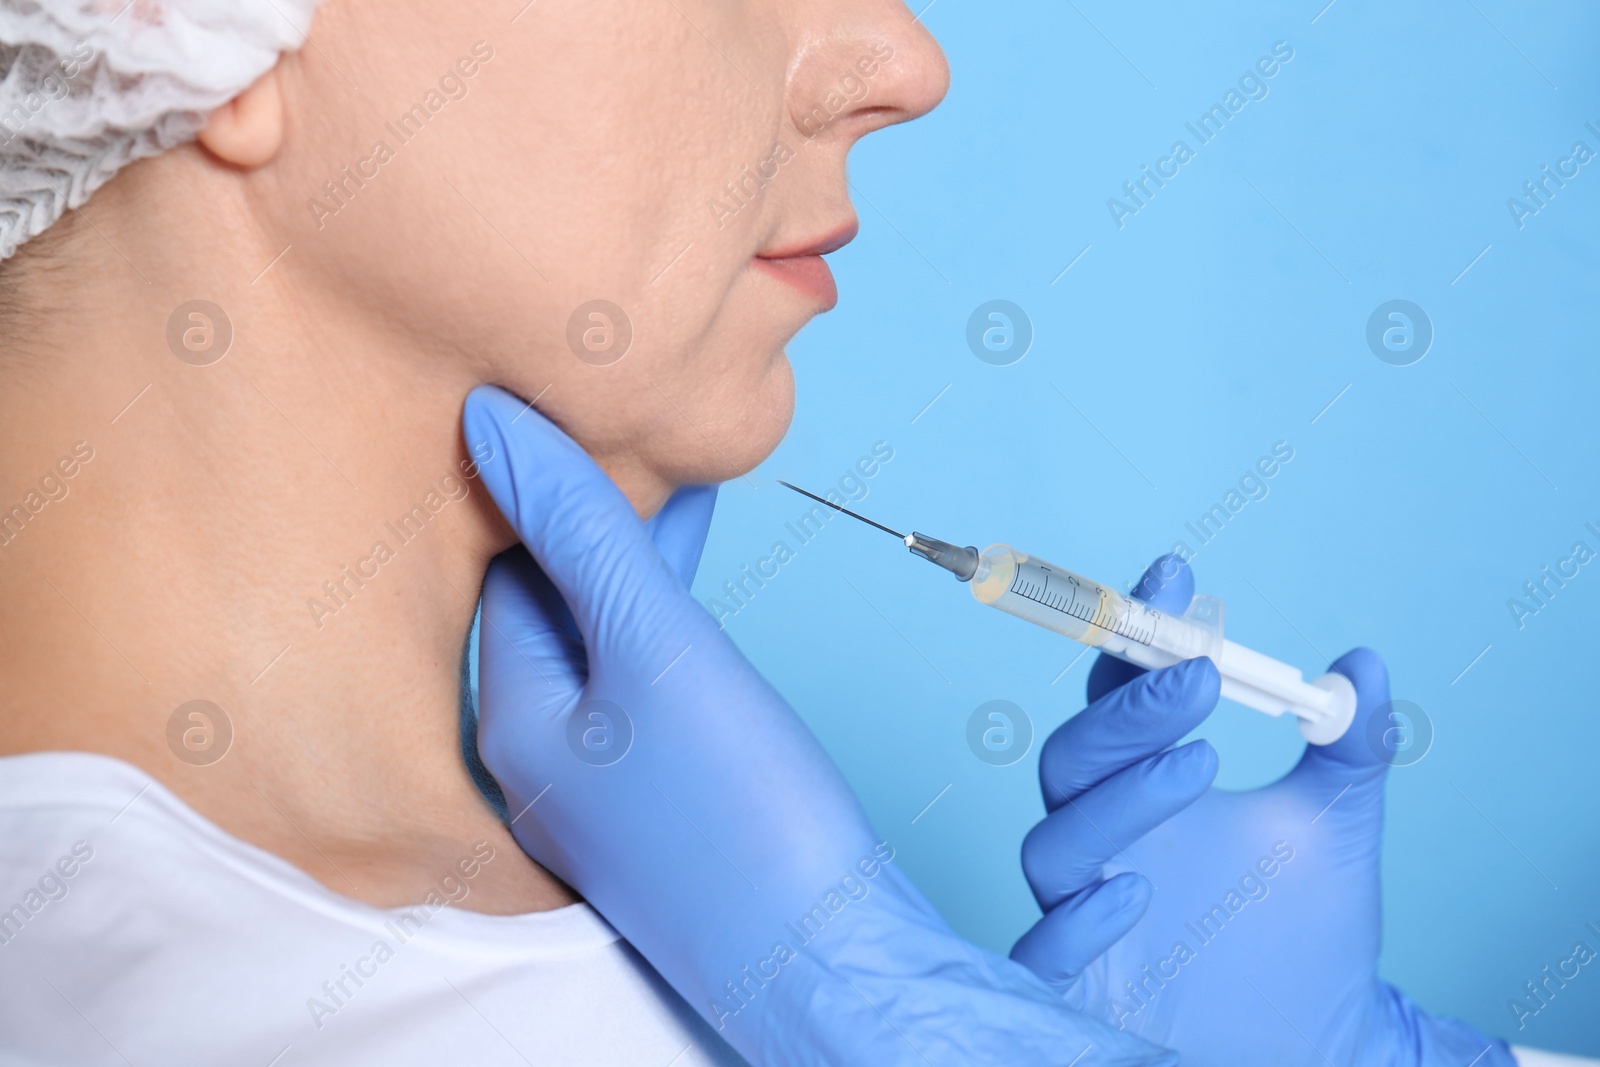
(133, 931)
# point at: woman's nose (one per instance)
(864, 64)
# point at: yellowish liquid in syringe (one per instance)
(1086, 611)
(1091, 614)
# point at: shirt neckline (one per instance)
(74, 779)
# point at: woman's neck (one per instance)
(292, 533)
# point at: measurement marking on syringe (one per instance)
(1069, 604)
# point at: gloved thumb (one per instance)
(679, 529)
(1361, 755)
(581, 529)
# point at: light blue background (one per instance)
(1222, 318)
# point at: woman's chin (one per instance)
(767, 420)
(724, 444)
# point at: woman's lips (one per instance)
(802, 265)
(809, 274)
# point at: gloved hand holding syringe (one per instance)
(1096, 615)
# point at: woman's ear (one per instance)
(247, 131)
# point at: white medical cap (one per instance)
(89, 86)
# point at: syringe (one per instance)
(1096, 615)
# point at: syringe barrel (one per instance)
(1043, 594)
(1092, 614)
(1088, 612)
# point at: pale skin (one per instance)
(578, 165)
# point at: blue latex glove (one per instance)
(1261, 910)
(649, 765)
